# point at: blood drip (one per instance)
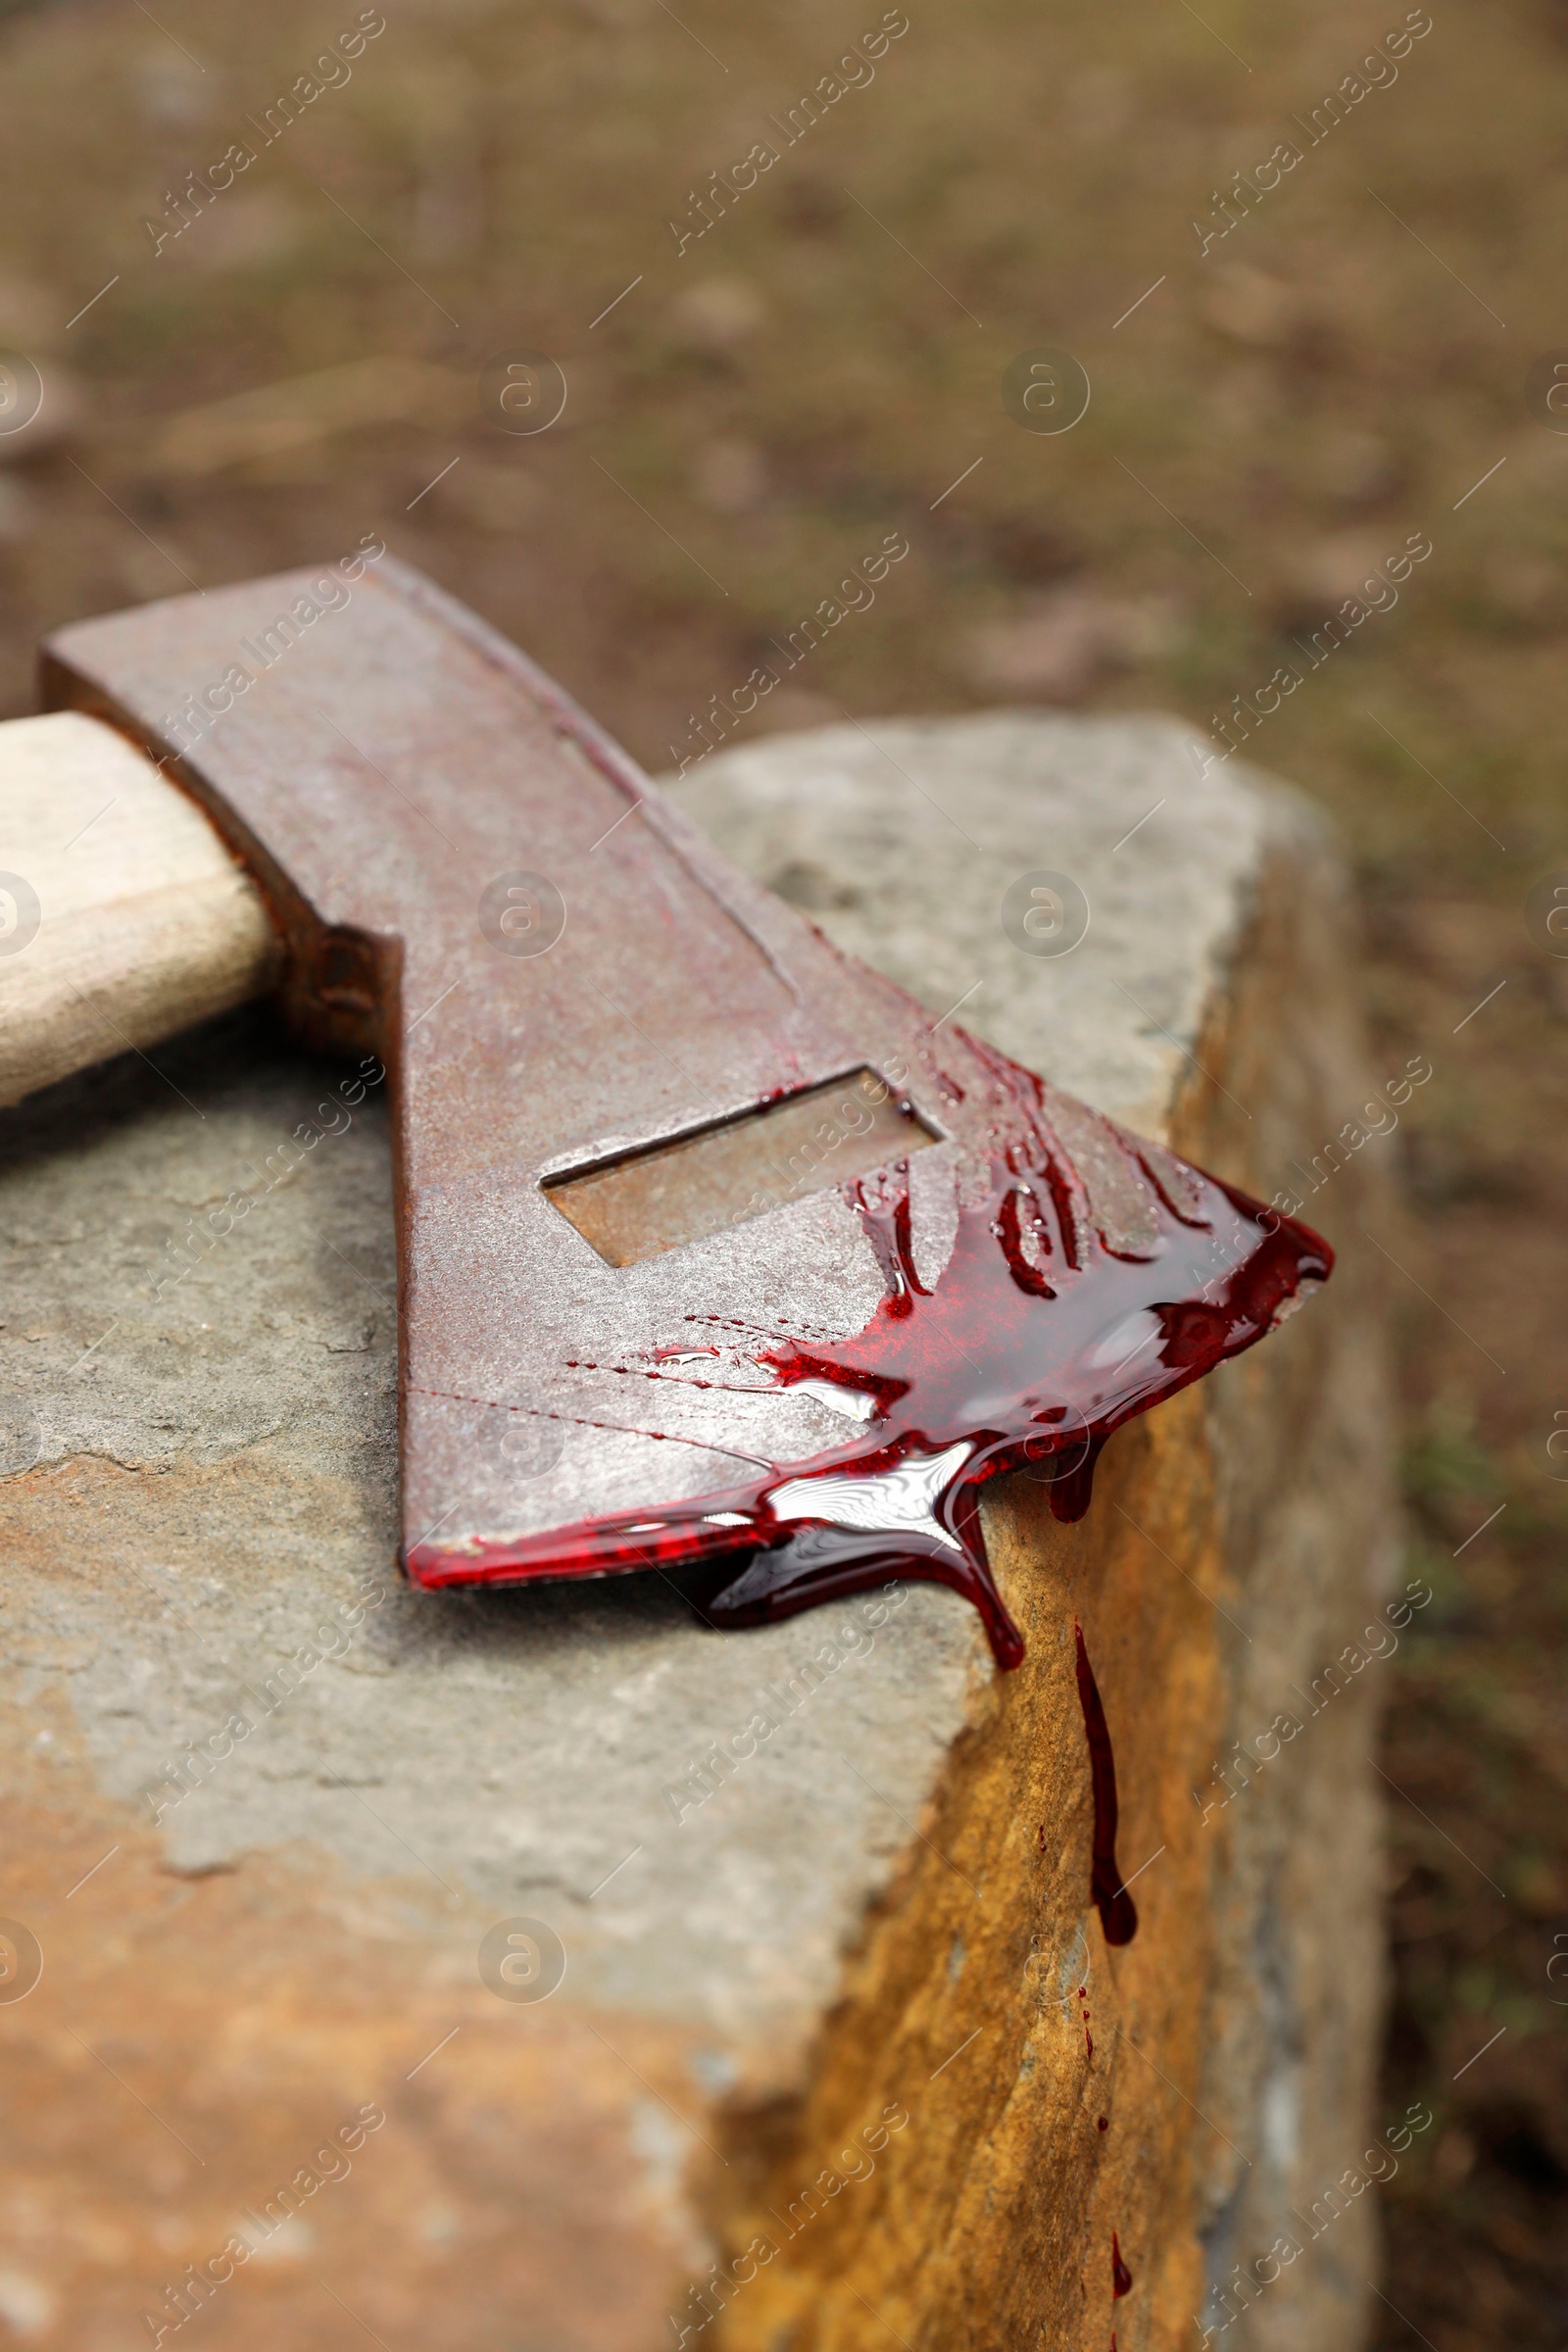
(1034, 1343)
(1121, 2277)
(1118, 1913)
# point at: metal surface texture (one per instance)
(561, 972)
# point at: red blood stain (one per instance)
(1118, 1913)
(999, 1365)
(1121, 2277)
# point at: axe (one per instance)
(714, 1251)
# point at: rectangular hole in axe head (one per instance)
(645, 1201)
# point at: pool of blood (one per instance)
(1033, 1344)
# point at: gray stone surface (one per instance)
(218, 1448)
(513, 1751)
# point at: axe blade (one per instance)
(709, 1245)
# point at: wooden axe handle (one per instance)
(122, 916)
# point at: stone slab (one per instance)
(201, 1480)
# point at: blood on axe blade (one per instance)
(709, 1251)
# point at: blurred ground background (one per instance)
(1279, 414)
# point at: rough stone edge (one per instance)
(1296, 844)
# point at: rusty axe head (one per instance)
(711, 1246)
